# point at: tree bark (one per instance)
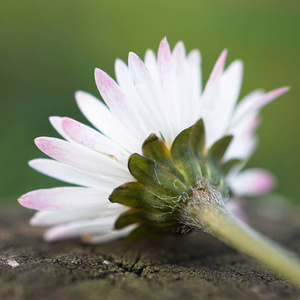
(195, 266)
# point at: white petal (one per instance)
(210, 100)
(72, 175)
(241, 148)
(222, 100)
(101, 117)
(148, 92)
(67, 198)
(118, 104)
(49, 218)
(244, 141)
(180, 97)
(112, 235)
(145, 121)
(194, 87)
(230, 89)
(101, 225)
(151, 67)
(169, 97)
(82, 158)
(151, 64)
(56, 122)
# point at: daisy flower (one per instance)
(163, 155)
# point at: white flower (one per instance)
(161, 95)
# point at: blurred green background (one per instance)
(49, 49)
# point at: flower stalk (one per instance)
(212, 217)
(183, 188)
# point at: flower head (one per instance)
(158, 138)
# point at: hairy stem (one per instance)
(212, 216)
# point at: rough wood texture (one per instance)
(195, 266)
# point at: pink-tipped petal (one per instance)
(253, 182)
(219, 66)
(219, 99)
(80, 157)
(225, 100)
(94, 140)
(66, 198)
(164, 62)
(101, 117)
(122, 108)
(164, 55)
(211, 101)
(109, 90)
(254, 102)
(169, 98)
(270, 96)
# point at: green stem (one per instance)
(243, 238)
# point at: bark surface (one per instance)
(195, 266)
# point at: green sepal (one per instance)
(218, 149)
(156, 149)
(129, 217)
(213, 173)
(134, 194)
(135, 215)
(155, 177)
(166, 177)
(184, 158)
(147, 231)
(213, 162)
(141, 232)
(197, 139)
(226, 167)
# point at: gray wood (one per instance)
(195, 266)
